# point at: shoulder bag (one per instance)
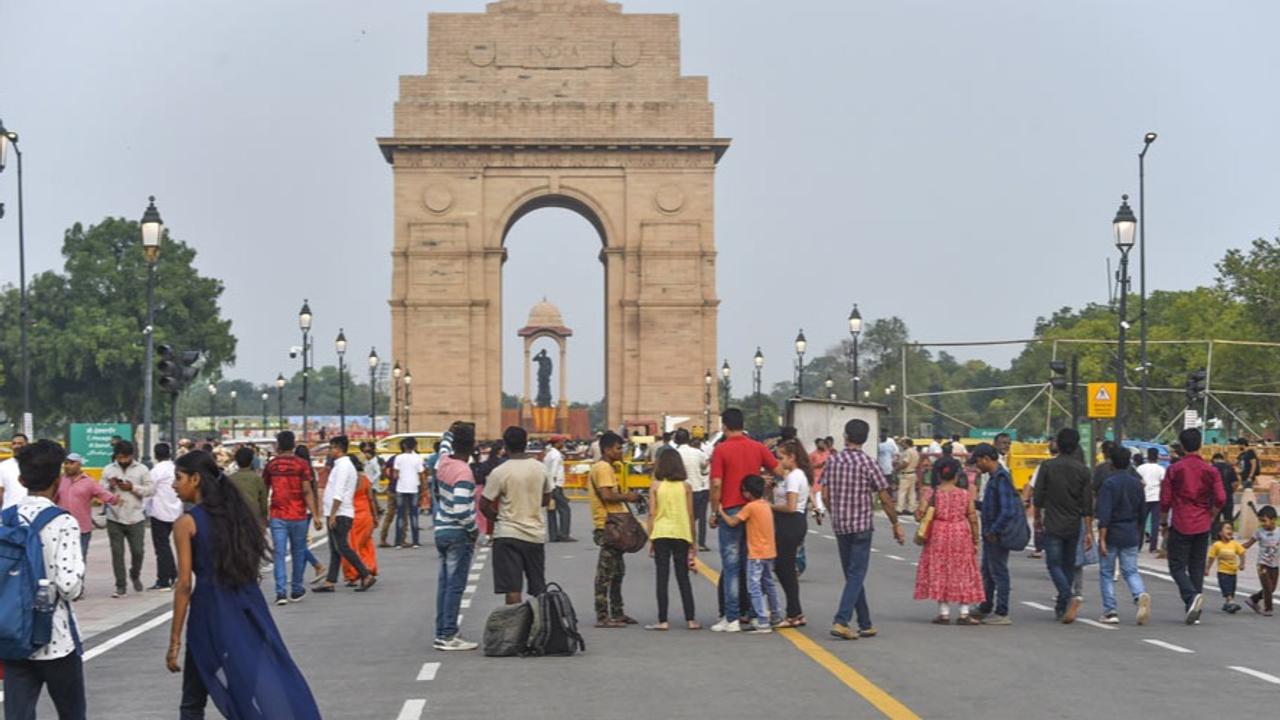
(926, 522)
(622, 531)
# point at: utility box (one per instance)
(813, 418)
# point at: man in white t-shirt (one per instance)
(12, 491)
(408, 473)
(340, 510)
(887, 458)
(696, 466)
(559, 515)
(1152, 474)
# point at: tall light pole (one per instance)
(408, 400)
(152, 229)
(265, 397)
(304, 322)
(724, 385)
(396, 374)
(373, 393)
(341, 346)
(233, 394)
(757, 372)
(1142, 274)
(213, 410)
(280, 383)
(829, 384)
(1124, 226)
(9, 139)
(706, 401)
(855, 329)
(801, 344)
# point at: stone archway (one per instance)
(566, 103)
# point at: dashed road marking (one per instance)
(412, 709)
(875, 550)
(1168, 646)
(1260, 675)
(1095, 623)
(477, 566)
(428, 671)
(473, 577)
(814, 532)
(470, 589)
(1036, 605)
(466, 603)
(831, 537)
(896, 557)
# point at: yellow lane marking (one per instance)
(881, 700)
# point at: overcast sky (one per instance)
(956, 164)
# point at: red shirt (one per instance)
(289, 479)
(1193, 490)
(734, 459)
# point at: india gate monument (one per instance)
(554, 103)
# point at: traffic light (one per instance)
(1059, 378)
(178, 367)
(1197, 384)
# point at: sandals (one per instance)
(367, 583)
(941, 620)
(324, 589)
(627, 620)
(788, 623)
(968, 620)
(657, 627)
(695, 625)
(610, 624)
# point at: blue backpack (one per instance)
(23, 629)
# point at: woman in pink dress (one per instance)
(948, 570)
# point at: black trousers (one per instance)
(558, 520)
(1186, 562)
(195, 696)
(700, 500)
(166, 568)
(676, 553)
(340, 549)
(24, 679)
(789, 531)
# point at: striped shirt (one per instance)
(455, 491)
(850, 480)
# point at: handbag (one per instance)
(926, 522)
(622, 531)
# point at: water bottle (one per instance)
(46, 597)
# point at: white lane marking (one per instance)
(412, 709)
(829, 537)
(895, 557)
(470, 589)
(1095, 623)
(814, 532)
(428, 671)
(1168, 578)
(1260, 675)
(460, 616)
(466, 603)
(477, 566)
(915, 564)
(127, 635)
(1036, 605)
(473, 577)
(1168, 646)
(875, 549)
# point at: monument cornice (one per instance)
(391, 145)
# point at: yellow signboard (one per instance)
(1102, 400)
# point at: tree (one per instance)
(86, 325)
(1253, 277)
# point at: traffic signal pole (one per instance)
(1075, 391)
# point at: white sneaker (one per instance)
(761, 628)
(734, 627)
(1144, 608)
(723, 625)
(1193, 612)
(456, 643)
(1110, 619)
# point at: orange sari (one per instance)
(361, 537)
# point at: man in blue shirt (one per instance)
(1121, 502)
(1001, 506)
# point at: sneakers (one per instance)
(282, 599)
(844, 632)
(997, 620)
(454, 644)
(1253, 604)
(297, 597)
(137, 584)
(1073, 607)
(161, 586)
(726, 626)
(868, 632)
(1144, 608)
(1193, 610)
(120, 592)
(1232, 608)
(761, 628)
(1110, 618)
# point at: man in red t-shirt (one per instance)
(292, 487)
(736, 456)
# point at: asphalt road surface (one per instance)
(369, 655)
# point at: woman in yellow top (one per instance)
(671, 523)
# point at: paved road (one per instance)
(369, 656)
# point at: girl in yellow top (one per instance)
(671, 533)
(1228, 552)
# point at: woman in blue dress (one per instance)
(234, 652)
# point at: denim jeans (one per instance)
(760, 585)
(1060, 558)
(293, 535)
(84, 545)
(454, 549)
(63, 677)
(855, 556)
(731, 565)
(995, 578)
(1186, 563)
(406, 517)
(1128, 558)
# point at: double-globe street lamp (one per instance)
(152, 230)
(304, 322)
(373, 393)
(396, 373)
(1124, 225)
(280, 383)
(9, 139)
(801, 345)
(265, 396)
(706, 401)
(341, 346)
(855, 329)
(757, 371)
(724, 385)
(233, 395)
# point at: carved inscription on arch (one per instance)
(555, 54)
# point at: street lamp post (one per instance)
(233, 394)
(213, 410)
(408, 400)
(1124, 226)
(724, 385)
(304, 322)
(280, 383)
(855, 329)
(756, 373)
(1142, 274)
(801, 344)
(265, 396)
(9, 139)
(829, 383)
(341, 346)
(152, 229)
(373, 393)
(396, 373)
(706, 401)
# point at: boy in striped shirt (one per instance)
(454, 517)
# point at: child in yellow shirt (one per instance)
(1228, 553)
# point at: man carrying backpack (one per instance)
(38, 654)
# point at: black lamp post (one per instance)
(9, 139)
(855, 329)
(1142, 275)
(801, 344)
(724, 385)
(1124, 225)
(373, 392)
(408, 400)
(341, 346)
(280, 383)
(213, 410)
(757, 371)
(396, 374)
(152, 229)
(265, 396)
(706, 401)
(304, 322)
(233, 394)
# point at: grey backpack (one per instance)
(506, 632)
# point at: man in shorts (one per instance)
(515, 494)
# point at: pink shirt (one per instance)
(75, 495)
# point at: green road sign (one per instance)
(991, 433)
(93, 441)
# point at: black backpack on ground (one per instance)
(554, 630)
(506, 632)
